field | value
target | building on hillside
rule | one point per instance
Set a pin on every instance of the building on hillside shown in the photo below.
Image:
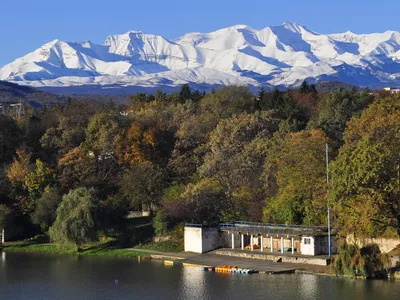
(392, 90)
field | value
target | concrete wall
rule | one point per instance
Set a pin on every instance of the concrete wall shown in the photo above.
(319, 245)
(384, 244)
(322, 261)
(212, 239)
(322, 246)
(201, 240)
(193, 239)
(226, 240)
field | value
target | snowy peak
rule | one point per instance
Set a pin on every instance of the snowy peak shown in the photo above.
(294, 27)
(281, 55)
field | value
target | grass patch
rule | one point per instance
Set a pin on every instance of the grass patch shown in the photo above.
(99, 249)
(167, 246)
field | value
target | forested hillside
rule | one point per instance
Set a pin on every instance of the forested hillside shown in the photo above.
(203, 158)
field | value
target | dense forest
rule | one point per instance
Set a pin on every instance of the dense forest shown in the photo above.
(75, 170)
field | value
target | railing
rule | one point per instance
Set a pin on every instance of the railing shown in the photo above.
(193, 225)
(266, 228)
(271, 229)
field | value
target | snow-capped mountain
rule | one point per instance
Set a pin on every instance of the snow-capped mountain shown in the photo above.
(279, 55)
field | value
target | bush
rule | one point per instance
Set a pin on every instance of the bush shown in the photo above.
(160, 223)
(367, 262)
(5, 216)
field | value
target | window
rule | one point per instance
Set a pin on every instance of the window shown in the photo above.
(307, 241)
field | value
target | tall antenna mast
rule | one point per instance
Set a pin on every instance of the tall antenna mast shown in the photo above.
(327, 197)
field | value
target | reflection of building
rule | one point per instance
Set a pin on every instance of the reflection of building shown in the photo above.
(193, 284)
(263, 237)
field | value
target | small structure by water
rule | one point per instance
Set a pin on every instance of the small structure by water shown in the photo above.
(260, 237)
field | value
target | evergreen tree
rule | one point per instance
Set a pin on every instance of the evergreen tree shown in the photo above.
(304, 87)
(185, 93)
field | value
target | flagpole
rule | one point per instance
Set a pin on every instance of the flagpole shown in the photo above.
(327, 197)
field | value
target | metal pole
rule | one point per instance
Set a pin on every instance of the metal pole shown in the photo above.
(327, 197)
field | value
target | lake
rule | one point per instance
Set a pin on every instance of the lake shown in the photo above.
(35, 276)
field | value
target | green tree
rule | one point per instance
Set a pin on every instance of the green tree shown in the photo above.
(5, 216)
(10, 137)
(101, 134)
(204, 202)
(365, 177)
(226, 102)
(185, 93)
(196, 96)
(46, 208)
(160, 96)
(243, 140)
(75, 222)
(336, 109)
(143, 185)
(295, 178)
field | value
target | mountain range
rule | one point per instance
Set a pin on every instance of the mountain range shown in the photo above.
(280, 56)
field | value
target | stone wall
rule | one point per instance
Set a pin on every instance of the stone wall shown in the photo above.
(312, 260)
(385, 245)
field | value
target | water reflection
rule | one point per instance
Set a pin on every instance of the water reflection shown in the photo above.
(192, 286)
(34, 277)
(308, 286)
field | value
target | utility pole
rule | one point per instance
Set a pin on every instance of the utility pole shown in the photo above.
(327, 197)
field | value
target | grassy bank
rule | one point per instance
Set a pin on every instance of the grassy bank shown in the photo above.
(99, 249)
(167, 246)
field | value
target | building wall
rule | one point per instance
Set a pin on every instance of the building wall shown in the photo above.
(201, 240)
(322, 246)
(193, 239)
(287, 243)
(211, 239)
(226, 240)
(307, 249)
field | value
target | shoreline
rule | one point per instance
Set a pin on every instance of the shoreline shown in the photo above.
(91, 250)
(170, 258)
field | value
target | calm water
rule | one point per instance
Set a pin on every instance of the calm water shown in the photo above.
(28, 276)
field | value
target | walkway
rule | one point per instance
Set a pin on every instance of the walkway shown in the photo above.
(212, 259)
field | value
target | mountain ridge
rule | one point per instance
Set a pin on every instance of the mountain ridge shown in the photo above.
(282, 56)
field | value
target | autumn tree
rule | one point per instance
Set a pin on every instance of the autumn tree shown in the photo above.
(143, 185)
(17, 171)
(365, 177)
(148, 141)
(243, 140)
(203, 202)
(77, 168)
(295, 178)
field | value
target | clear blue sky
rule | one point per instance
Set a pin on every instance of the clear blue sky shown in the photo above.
(25, 25)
